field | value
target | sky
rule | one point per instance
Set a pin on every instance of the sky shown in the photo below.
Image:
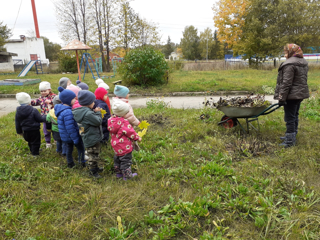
(171, 16)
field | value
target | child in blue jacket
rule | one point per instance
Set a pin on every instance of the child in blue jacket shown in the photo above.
(68, 128)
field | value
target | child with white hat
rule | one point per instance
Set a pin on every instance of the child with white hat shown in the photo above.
(122, 137)
(28, 121)
(45, 103)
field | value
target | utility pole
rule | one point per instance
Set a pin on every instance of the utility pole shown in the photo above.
(35, 18)
(207, 47)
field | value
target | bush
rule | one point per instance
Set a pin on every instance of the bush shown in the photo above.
(67, 63)
(144, 66)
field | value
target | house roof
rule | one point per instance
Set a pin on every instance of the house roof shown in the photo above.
(14, 40)
(8, 54)
(76, 45)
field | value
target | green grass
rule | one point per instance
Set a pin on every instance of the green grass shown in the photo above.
(196, 181)
(181, 81)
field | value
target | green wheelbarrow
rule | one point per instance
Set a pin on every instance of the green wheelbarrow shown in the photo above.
(250, 114)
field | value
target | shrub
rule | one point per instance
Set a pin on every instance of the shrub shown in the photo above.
(144, 66)
(67, 63)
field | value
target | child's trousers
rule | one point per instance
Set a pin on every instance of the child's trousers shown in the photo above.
(61, 148)
(80, 149)
(93, 155)
(34, 140)
(47, 134)
(122, 162)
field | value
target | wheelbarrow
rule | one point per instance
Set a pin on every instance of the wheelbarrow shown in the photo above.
(250, 114)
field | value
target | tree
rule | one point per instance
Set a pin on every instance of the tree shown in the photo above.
(266, 26)
(206, 42)
(73, 19)
(217, 48)
(52, 49)
(190, 43)
(144, 66)
(5, 34)
(168, 48)
(146, 33)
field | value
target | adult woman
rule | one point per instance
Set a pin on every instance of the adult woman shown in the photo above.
(291, 89)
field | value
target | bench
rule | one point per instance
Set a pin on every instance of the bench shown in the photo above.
(117, 82)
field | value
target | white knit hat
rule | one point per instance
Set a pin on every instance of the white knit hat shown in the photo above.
(23, 98)
(119, 107)
(104, 85)
(98, 81)
(44, 86)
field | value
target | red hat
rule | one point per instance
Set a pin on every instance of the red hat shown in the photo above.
(100, 92)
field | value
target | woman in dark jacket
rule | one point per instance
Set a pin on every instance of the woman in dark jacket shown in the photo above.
(291, 89)
(101, 95)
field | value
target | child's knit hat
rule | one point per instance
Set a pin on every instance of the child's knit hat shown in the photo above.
(100, 93)
(86, 97)
(121, 91)
(44, 86)
(74, 89)
(63, 82)
(23, 98)
(66, 96)
(104, 85)
(82, 85)
(56, 100)
(119, 107)
(98, 81)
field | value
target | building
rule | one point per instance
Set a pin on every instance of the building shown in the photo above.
(6, 62)
(27, 49)
(174, 56)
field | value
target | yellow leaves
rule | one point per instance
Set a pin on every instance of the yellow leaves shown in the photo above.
(120, 227)
(143, 125)
(142, 133)
(103, 112)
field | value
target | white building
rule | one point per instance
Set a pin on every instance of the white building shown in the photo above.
(6, 63)
(174, 56)
(27, 49)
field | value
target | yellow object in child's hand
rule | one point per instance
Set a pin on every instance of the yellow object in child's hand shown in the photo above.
(103, 112)
(142, 133)
(144, 124)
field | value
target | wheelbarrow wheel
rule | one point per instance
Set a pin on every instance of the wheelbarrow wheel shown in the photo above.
(232, 122)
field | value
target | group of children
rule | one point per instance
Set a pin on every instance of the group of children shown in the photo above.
(74, 118)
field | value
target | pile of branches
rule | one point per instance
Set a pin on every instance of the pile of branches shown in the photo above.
(247, 101)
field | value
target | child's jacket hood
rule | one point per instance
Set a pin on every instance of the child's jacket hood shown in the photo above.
(59, 108)
(24, 111)
(53, 115)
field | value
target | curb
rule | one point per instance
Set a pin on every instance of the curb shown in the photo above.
(174, 94)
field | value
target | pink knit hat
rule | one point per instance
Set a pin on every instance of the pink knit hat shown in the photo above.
(74, 89)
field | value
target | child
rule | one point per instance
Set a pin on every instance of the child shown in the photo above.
(68, 128)
(92, 134)
(51, 118)
(102, 84)
(82, 85)
(122, 93)
(101, 96)
(76, 90)
(64, 82)
(122, 136)
(45, 102)
(28, 121)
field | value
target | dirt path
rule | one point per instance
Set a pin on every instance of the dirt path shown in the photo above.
(8, 105)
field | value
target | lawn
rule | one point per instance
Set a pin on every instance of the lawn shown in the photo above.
(180, 81)
(196, 180)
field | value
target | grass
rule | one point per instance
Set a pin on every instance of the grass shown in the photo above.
(196, 181)
(181, 81)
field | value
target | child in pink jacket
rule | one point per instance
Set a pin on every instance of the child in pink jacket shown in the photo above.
(122, 137)
(122, 93)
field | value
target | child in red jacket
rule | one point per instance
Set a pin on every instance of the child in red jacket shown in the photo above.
(122, 137)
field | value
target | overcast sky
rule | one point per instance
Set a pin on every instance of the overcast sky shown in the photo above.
(171, 16)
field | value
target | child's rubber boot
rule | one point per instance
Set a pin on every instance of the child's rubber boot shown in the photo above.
(127, 174)
(290, 140)
(48, 145)
(71, 165)
(94, 173)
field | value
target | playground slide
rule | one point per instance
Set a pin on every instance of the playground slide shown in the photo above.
(27, 68)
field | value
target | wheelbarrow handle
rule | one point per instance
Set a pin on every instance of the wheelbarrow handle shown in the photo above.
(270, 109)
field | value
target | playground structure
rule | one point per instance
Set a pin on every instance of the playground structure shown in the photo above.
(35, 61)
(115, 61)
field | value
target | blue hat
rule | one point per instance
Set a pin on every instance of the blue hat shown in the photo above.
(82, 85)
(121, 91)
(66, 95)
(86, 97)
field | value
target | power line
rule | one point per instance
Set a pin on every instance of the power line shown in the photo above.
(17, 16)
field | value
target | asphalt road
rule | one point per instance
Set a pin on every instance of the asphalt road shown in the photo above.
(8, 105)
